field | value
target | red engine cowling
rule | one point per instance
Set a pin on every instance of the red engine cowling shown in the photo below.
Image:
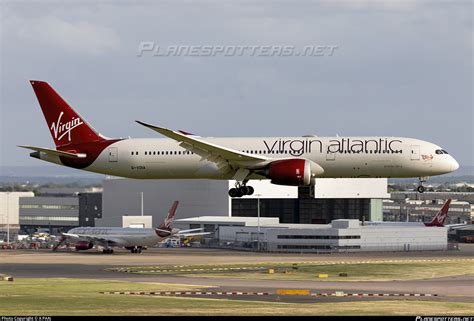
(293, 172)
(83, 245)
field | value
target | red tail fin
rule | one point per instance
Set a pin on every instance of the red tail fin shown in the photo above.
(441, 216)
(66, 126)
(165, 228)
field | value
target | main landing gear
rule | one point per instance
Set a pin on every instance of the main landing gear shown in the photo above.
(421, 188)
(240, 190)
(136, 250)
(108, 250)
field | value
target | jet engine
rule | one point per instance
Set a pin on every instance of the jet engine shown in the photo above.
(292, 172)
(84, 245)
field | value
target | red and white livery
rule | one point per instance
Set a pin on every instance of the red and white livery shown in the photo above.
(295, 161)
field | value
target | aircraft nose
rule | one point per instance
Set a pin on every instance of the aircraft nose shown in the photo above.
(454, 164)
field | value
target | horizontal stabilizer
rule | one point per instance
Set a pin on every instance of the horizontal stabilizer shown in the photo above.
(55, 152)
(191, 230)
(193, 234)
(70, 235)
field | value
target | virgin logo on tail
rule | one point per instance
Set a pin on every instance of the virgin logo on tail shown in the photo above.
(63, 129)
(440, 217)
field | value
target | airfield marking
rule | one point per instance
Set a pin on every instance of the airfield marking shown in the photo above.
(222, 293)
(213, 268)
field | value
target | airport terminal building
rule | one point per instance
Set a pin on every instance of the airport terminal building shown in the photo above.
(342, 235)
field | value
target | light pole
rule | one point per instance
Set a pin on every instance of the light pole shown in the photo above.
(258, 221)
(8, 218)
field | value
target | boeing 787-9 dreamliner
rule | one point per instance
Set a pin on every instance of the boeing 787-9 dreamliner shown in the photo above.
(295, 161)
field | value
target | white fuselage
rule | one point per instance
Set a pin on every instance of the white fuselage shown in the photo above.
(118, 236)
(340, 157)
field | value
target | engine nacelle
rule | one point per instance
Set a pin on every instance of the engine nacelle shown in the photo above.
(84, 245)
(293, 172)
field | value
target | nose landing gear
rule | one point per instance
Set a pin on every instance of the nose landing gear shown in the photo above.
(421, 188)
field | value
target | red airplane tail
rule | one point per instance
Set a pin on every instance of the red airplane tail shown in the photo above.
(66, 125)
(165, 228)
(441, 216)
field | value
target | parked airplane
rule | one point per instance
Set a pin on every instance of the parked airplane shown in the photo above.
(133, 239)
(437, 221)
(295, 161)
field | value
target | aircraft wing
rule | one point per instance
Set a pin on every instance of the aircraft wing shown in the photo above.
(92, 238)
(54, 152)
(459, 226)
(220, 155)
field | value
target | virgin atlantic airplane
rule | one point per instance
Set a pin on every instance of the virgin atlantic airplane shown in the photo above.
(294, 161)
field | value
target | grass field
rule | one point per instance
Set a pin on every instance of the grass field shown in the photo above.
(355, 272)
(82, 297)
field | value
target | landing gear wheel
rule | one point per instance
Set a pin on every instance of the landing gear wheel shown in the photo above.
(250, 190)
(233, 192)
(241, 190)
(244, 190)
(139, 251)
(107, 251)
(420, 187)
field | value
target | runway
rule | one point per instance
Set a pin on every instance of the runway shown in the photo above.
(92, 265)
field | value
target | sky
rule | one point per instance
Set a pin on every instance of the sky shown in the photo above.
(398, 68)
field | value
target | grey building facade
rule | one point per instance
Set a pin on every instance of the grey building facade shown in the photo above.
(122, 197)
(58, 214)
(330, 199)
(90, 208)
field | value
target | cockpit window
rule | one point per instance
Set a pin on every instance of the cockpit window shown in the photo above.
(441, 151)
(445, 152)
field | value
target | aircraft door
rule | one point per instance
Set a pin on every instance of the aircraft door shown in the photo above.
(113, 154)
(415, 152)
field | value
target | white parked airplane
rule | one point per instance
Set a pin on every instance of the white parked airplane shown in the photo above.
(295, 161)
(437, 221)
(133, 239)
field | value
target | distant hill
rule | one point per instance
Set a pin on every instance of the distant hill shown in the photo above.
(45, 171)
(48, 175)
